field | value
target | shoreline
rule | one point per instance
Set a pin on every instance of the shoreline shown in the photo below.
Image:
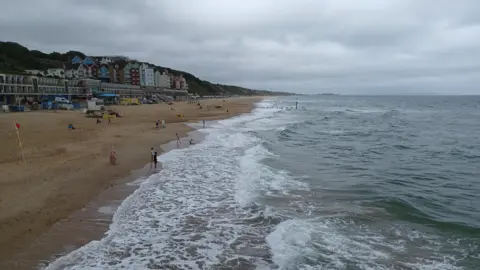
(92, 221)
(29, 249)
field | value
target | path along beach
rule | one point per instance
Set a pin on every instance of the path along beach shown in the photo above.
(67, 169)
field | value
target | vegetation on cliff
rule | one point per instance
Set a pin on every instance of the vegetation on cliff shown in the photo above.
(15, 58)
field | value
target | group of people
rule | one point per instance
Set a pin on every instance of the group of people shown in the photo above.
(153, 153)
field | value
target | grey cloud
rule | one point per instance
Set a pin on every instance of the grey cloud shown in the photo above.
(348, 46)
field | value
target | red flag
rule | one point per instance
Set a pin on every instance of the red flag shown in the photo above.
(17, 125)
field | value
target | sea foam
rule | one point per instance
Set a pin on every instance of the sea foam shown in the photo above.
(196, 212)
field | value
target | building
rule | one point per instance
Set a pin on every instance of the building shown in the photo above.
(71, 71)
(16, 87)
(147, 75)
(132, 73)
(74, 71)
(150, 77)
(104, 73)
(81, 68)
(103, 60)
(91, 86)
(56, 72)
(179, 83)
(74, 87)
(77, 60)
(13, 86)
(121, 90)
(162, 80)
(184, 84)
(172, 80)
(35, 72)
(117, 71)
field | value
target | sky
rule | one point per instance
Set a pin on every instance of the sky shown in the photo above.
(302, 46)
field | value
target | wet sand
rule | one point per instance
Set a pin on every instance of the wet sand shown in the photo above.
(66, 170)
(92, 221)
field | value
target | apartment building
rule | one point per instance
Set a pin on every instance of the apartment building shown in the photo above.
(56, 72)
(179, 83)
(117, 71)
(162, 79)
(104, 73)
(132, 73)
(147, 75)
(13, 86)
(122, 90)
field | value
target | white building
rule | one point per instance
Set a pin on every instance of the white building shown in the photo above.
(105, 60)
(71, 73)
(162, 79)
(19, 85)
(34, 72)
(54, 72)
(147, 75)
(58, 72)
(82, 71)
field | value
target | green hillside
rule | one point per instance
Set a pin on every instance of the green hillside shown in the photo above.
(15, 58)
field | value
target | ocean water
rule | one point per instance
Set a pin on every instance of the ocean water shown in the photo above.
(340, 183)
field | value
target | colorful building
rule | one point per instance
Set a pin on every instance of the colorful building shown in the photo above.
(179, 83)
(81, 68)
(117, 71)
(132, 73)
(104, 73)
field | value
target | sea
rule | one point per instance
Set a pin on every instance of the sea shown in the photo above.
(340, 182)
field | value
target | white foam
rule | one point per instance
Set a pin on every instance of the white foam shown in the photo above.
(258, 178)
(108, 209)
(183, 216)
(289, 242)
(204, 210)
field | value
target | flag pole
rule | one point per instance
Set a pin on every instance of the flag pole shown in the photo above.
(20, 142)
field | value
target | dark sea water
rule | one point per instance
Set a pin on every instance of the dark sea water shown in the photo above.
(341, 183)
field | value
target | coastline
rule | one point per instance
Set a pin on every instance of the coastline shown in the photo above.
(82, 185)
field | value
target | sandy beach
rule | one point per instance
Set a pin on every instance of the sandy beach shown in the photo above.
(66, 169)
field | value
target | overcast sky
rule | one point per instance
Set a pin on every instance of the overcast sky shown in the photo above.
(305, 46)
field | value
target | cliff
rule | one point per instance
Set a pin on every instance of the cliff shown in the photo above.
(15, 58)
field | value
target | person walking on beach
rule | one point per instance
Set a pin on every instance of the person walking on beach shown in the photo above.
(157, 123)
(155, 161)
(178, 140)
(113, 156)
(152, 154)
